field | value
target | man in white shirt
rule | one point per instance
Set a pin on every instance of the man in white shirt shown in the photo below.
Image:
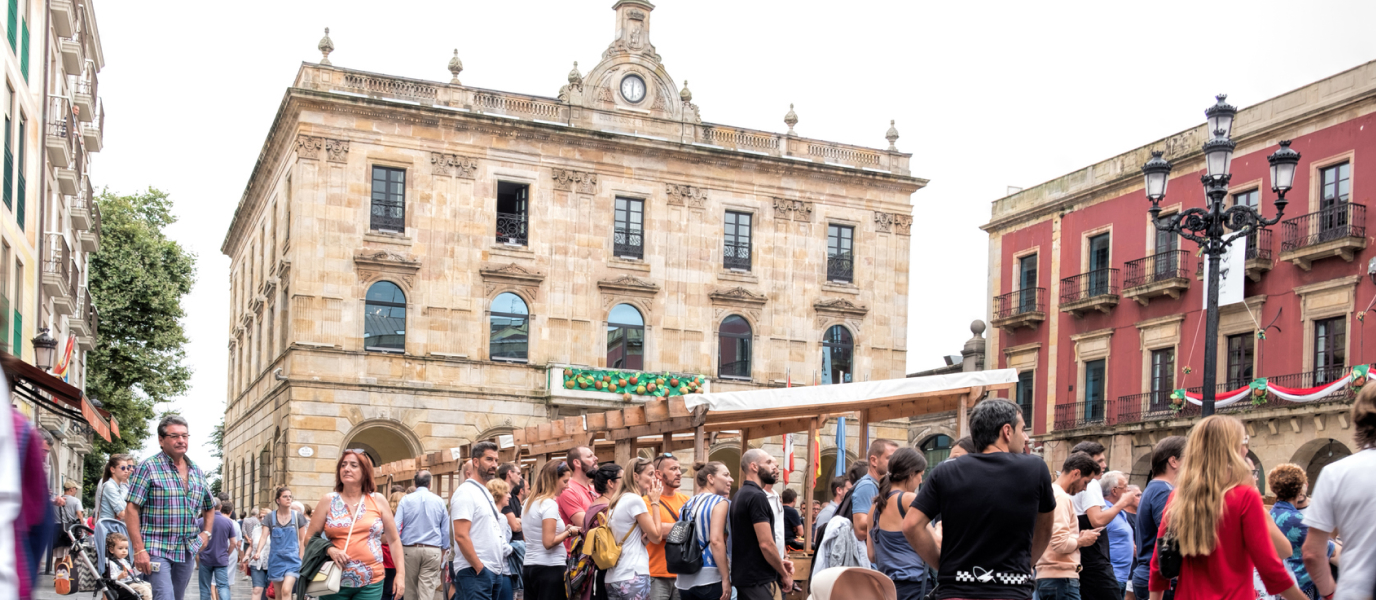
(424, 537)
(1342, 501)
(776, 504)
(479, 565)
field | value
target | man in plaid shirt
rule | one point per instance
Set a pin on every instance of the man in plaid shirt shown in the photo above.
(166, 495)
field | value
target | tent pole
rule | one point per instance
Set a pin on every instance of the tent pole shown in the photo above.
(700, 444)
(809, 486)
(864, 438)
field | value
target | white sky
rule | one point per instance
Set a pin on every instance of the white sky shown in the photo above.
(986, 95)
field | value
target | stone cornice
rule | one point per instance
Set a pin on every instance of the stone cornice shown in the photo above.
(737, 296)
(840, 307)
(386, 260)
(511, 273)
(627, 284)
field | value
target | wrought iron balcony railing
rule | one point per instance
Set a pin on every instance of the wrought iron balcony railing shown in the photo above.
(1023, 301)
(1099, 282)
(736, 256)
(1078, 414)
(628, 243)
(1343, 220)
(841, 267)
(511, 229)
(1157, 267)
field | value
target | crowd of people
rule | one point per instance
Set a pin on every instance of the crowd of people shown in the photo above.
(990, 522)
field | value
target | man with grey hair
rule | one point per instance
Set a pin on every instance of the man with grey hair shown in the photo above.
(167, 494)
(756, 562)
(1120, 532)
(424, 524)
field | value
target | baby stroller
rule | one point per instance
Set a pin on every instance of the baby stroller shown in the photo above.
(88, 561)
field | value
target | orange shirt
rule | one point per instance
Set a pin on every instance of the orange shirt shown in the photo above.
(658, 568)
(361, 531)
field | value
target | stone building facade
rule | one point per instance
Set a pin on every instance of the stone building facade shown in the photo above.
(414, 262)
(1103, 316)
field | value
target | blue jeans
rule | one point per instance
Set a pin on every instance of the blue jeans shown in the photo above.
(471, 585)
(1058, 589)
(169, 579)
(220, 577)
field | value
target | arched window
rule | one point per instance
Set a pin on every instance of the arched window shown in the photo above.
(384, 318)
(625, 338)
(936, 449)
(733, 350)
(509, 327)
(837, 363)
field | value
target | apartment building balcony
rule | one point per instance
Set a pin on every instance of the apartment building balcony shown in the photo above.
(59, 275)
(68, 180)
(1156, 406)
(1023, 308)
(76, 324)
(93, 133)
(91, 318)
(1094, 290)
(70, 48)
(1161, 274)
(1077, 415)
(79, 210)
(1336, 231)
(60, 134)
(90, 238)
(84, 96)
(63, 17)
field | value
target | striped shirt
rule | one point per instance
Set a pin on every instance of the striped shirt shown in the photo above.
(167, 508)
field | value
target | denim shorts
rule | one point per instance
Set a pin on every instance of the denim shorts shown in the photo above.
(259, 576)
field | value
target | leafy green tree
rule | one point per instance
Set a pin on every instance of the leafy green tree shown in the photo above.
(137, 282)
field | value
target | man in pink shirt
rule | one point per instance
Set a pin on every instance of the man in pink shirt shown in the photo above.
(578, 497)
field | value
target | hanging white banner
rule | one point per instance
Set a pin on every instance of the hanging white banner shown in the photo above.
(1232, 273)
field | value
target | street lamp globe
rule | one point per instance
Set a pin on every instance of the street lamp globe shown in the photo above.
(1157, 172)
(1218, 155)
(1283, 162)
(1220, 117)
(43, 347)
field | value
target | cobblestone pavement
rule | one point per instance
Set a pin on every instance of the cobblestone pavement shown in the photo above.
(240, 590)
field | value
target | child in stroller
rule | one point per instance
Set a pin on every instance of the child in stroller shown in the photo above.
(118, 568)
(89, 552)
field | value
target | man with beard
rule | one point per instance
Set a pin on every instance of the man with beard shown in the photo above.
(862, 498)
(579, 496)
(480, 563)
(668, 471)
(756, 563)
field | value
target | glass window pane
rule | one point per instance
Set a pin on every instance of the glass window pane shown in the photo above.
(386, 291)
(625, 314)
(509, 303)
(509, 337)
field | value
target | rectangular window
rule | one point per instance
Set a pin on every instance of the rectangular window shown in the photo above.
(1094, 391)
(1241, 349)
(1027, 284)
(1025, 395)
(21, 193)
(17, 301)
(9, 135)
(1334, 188)
(1249, 198)
(840, 253)
(1162, 377)
(1330, 349)
(736, 252)
(1098, 265)
(389, 200)
(628, 239)
(513, 213)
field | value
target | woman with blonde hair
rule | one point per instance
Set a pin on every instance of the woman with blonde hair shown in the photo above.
(546, 557)
(630, 578)
(1218, 522)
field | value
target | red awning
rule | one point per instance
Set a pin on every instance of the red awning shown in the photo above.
(61, 392)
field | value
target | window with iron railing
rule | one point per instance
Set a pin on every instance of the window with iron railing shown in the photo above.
(1241, 350)
(1025, 396)
(1330, 349)
(736, 249)
(628, 237)
(513, 213)
(841, 253)
(1162, 376)
(389, 200)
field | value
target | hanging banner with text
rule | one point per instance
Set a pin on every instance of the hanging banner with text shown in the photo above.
(1232, 273)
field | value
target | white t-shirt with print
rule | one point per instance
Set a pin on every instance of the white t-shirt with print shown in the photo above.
(1343, 501)
(634, 559)
(533, 526)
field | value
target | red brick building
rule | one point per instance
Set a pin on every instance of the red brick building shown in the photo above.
(1104, 317)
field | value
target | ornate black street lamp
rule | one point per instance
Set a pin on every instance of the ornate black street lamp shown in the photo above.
(43, 347)
(1214, 228)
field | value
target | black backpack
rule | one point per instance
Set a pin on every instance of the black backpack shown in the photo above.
(682, 550)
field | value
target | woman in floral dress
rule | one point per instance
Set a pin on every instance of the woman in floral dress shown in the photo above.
(358, 520)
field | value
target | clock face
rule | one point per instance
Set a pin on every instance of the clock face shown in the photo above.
(633, 88)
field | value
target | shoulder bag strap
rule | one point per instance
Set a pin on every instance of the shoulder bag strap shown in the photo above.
(666, 507)
(490, 505)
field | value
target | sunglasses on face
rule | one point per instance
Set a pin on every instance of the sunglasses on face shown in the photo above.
(126, 468)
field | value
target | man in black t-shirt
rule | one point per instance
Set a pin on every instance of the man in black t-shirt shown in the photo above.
(996, 509)
(793, 520)
(756, 563)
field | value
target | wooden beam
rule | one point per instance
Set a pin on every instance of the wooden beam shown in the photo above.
(809, 485)
(556, 429)
(597, 422)
(678, 407)
(667, 445)
(700, 445)
(615, 420)
(573, 425)
(624, 450)
(632, 416)
(864, 434)
(681, 424)
(937, 400)
(657, 410)
(519, 436)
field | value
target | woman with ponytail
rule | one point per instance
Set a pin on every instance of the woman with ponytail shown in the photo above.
(114, 487)
(888, 547)
(1218, 522)
(708, 510)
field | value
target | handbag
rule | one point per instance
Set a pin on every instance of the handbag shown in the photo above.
(682, 550)
(1168, 557)
(327, 579)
